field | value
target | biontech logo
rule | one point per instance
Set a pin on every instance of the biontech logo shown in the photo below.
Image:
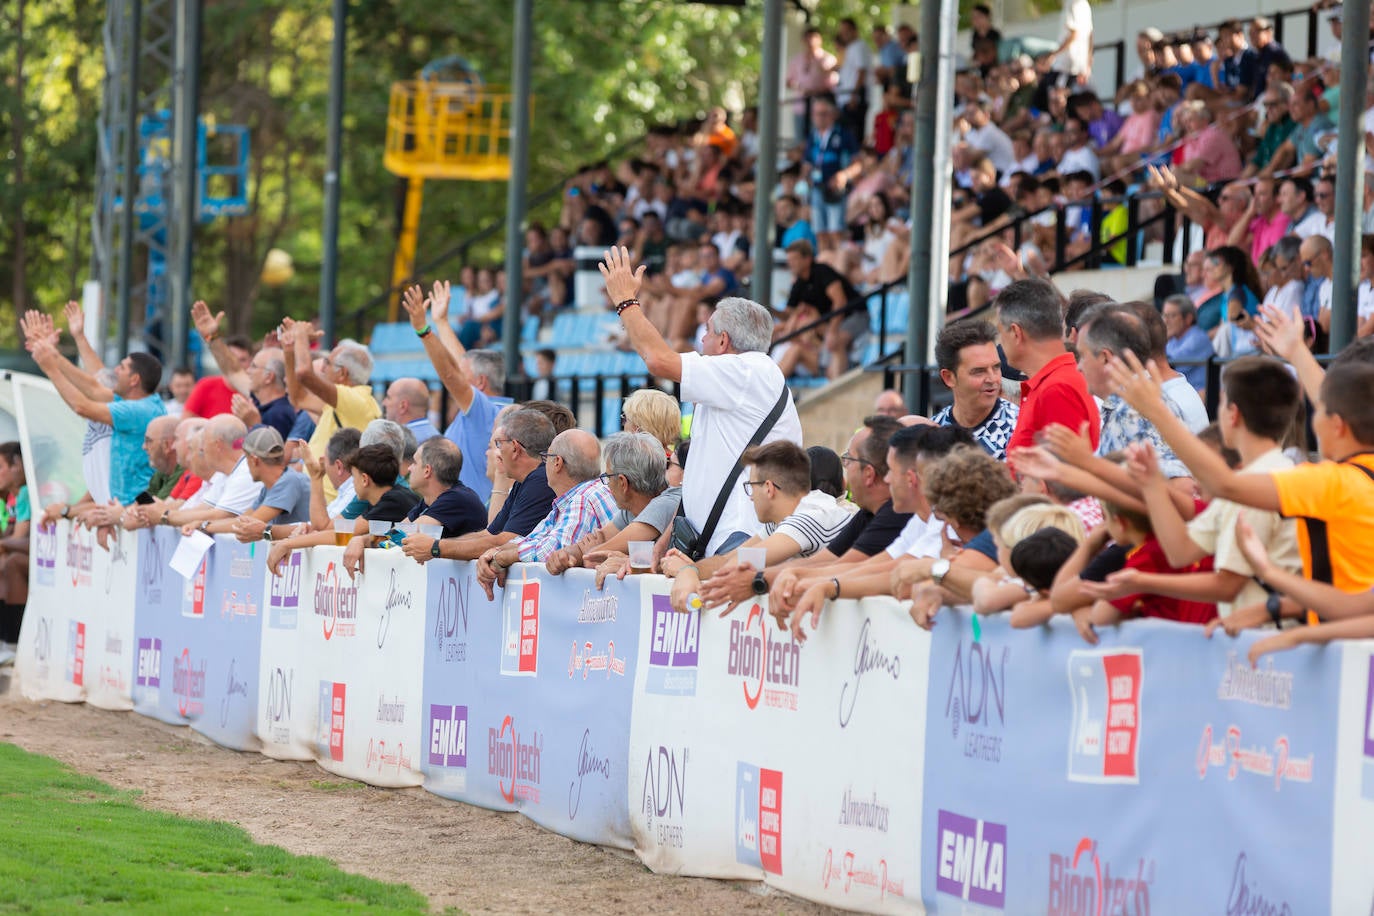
(336, 603)
(769, 667)
(513, 759)
(971, 859)
(1084, 885)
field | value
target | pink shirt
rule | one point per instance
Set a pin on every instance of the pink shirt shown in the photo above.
(1215, 153)
(1138, 133)
(1265, 232)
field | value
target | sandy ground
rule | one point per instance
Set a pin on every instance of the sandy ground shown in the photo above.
(479, 861)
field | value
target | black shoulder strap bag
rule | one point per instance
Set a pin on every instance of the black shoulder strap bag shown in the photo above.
(685, 537)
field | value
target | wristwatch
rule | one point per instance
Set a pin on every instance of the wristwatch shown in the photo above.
(434, 551)
(760, 584)
(203, 525)
(267, 533)
(1274, 605)
(66, 511)
(938, 570)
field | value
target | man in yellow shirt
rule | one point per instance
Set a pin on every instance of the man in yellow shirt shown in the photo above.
(343, 386)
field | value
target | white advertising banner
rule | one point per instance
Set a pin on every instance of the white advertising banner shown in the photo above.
(288, 707)
(365, 639)
(110, 643)
(50, 661)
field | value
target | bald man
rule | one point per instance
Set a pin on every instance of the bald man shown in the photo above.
(889, 403)
(232, 490)
(158, 440)
(407, 402)
(582, 503)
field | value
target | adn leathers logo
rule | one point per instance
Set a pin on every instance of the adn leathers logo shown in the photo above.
(451, 620)
(673, 649)
(971, 861)
(1104, 738)
(1083, 885)
(769, 667)
(758, 817)
(975, 703)
(664, 800)
(520, 639)
(277, 709)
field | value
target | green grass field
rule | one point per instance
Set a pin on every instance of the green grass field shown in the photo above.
(69, 843)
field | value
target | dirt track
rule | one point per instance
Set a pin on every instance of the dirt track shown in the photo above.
(479, 861)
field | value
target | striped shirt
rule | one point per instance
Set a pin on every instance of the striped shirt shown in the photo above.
(815, 522)
(575, 514)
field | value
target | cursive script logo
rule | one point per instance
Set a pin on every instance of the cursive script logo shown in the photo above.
(1276, 763)
(233, 687)
(587, 762)
(395, 597)
(867, 657)
(118, 557)
(859, 875)
(1246, 900)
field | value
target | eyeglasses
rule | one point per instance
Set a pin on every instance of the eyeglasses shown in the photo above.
(499, 443)
(545, 456)
(1307, 263)
(607, 477)
(750, 484)
(846, 458)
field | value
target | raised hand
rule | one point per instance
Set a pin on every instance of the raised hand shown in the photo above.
(76, 318)
(1073, 448)
(623, 279)
(1037, 462)
(313, 466)
(1278, 333)
(414, 301)
(1142, 463)
(245, 410)
(439, 298)
(1138, 384)
(207, 325)
(38, 328)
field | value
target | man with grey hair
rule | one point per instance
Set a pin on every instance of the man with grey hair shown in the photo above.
(231, 490)
(1187, 343)
(522, 442)
(444, 499)
(1030, 325)
(407, 402)
(343, 387)
(263, 381)
(636, 474)
(735, 386)
(475, 380)
(582, 504)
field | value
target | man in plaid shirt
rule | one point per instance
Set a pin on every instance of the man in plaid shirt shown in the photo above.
(582, 504)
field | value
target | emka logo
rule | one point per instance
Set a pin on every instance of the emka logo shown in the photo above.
(513, 759)
(868, 656)
(769, 668)
(847, 873)
(758, 817)
(665, 793)
(674, 643)
(1104, 737)
(188, 684)
(971, 859)
(284, 595)
(520, 644)
(233, 688)
(396, 597)
(45, 554)
(336, 603)
(79, 555)
(976, 700)
(280, 683)
(149, 663)
(76, 653)
(586, 659)
(193, 593)
(1230, 752)
(588, 764)
(332, 710)
(1083, 885)
(1247, 897)
(451, 620)
(448, 741)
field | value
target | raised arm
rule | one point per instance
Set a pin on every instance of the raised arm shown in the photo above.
(209, 328)
(623, 280)
(446, 357)
(76, 326)
(302, 333)
(52, 363)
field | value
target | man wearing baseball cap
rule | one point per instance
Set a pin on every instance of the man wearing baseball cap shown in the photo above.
(285, 496)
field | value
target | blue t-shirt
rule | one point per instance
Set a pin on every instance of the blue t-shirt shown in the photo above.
(471, 431)
(303, 427)
(279, 415)
(458, 509)
(801, 229)
(423, 429)
(130, 470)
(529, 501)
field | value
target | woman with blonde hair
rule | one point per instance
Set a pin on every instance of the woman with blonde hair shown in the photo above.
(655, 412)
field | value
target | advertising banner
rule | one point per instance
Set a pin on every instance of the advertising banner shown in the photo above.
(540, 684)
(1352, 879)
(50, 660)
(1161, 763)
(173, 654)
(365, 639)
(233, 608)
(288, 705)
(110, 646)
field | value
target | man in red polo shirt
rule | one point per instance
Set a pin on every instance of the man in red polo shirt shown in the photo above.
(1030, 323)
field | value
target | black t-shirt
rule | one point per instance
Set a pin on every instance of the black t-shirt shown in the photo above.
(459, 510)
(812, 290)
(529, 501)
(279, 415)
(1111, 560)
(392, 506)
(870, 533)
(992, 203)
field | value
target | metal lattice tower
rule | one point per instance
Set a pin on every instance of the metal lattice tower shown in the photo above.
(140, 43)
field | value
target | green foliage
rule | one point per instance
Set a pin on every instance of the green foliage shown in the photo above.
(604, 72)
(72, 842)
